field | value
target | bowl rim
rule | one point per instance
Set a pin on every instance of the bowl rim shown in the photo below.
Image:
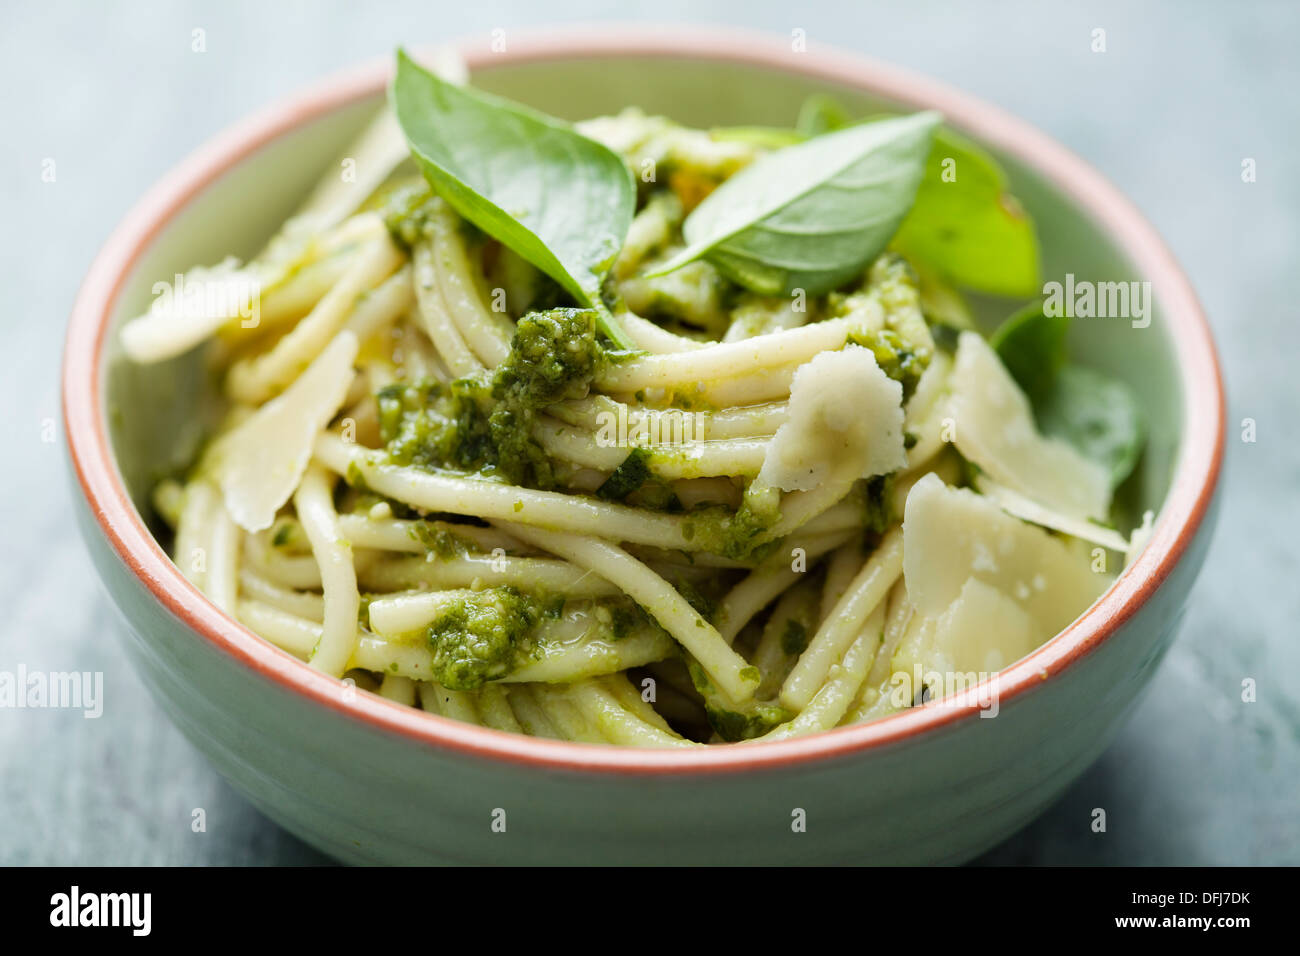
(1195, 476)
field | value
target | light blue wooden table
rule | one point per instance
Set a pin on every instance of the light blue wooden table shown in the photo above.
(114, 95)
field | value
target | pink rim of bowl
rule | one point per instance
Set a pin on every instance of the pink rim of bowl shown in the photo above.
(1195, 475)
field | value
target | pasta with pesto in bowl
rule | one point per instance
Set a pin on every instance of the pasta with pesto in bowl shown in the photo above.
(626, 432)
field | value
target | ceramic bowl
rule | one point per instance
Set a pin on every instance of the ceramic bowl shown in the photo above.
(366, 780)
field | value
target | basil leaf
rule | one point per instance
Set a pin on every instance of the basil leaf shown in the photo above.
(556, 198)
(1031, 345)
(811, 216)
(1097, 415)
(631, 474)
(966, 227)
(970, 230)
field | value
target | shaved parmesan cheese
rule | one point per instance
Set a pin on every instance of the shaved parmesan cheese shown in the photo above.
(982, 631)
(843, 408)
(927, 410)
(995, 430)
(931, 387)
(259, 464)
(1014, 503)
(1138, 541)
(951, 535)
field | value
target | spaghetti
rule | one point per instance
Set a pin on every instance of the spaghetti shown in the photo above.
(438, 478)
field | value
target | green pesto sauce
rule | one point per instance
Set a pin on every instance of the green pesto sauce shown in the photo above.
(903, 348)
(895, 356)
(283, 535)
(705, 602)
(486, 635)
(551, 607)
(738, 535)
(732, 721)
(484, 424)
(656, 495)
(624, 617)
(719, 530)
(794, 641)
(439, 541)
(406, 212)
(945, 336)
(634, 483)
(878, 503)
(481, 638)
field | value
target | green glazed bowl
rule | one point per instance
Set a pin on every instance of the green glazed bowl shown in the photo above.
(369, 781)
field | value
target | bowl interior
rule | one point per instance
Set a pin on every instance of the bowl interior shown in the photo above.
(157, 414)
